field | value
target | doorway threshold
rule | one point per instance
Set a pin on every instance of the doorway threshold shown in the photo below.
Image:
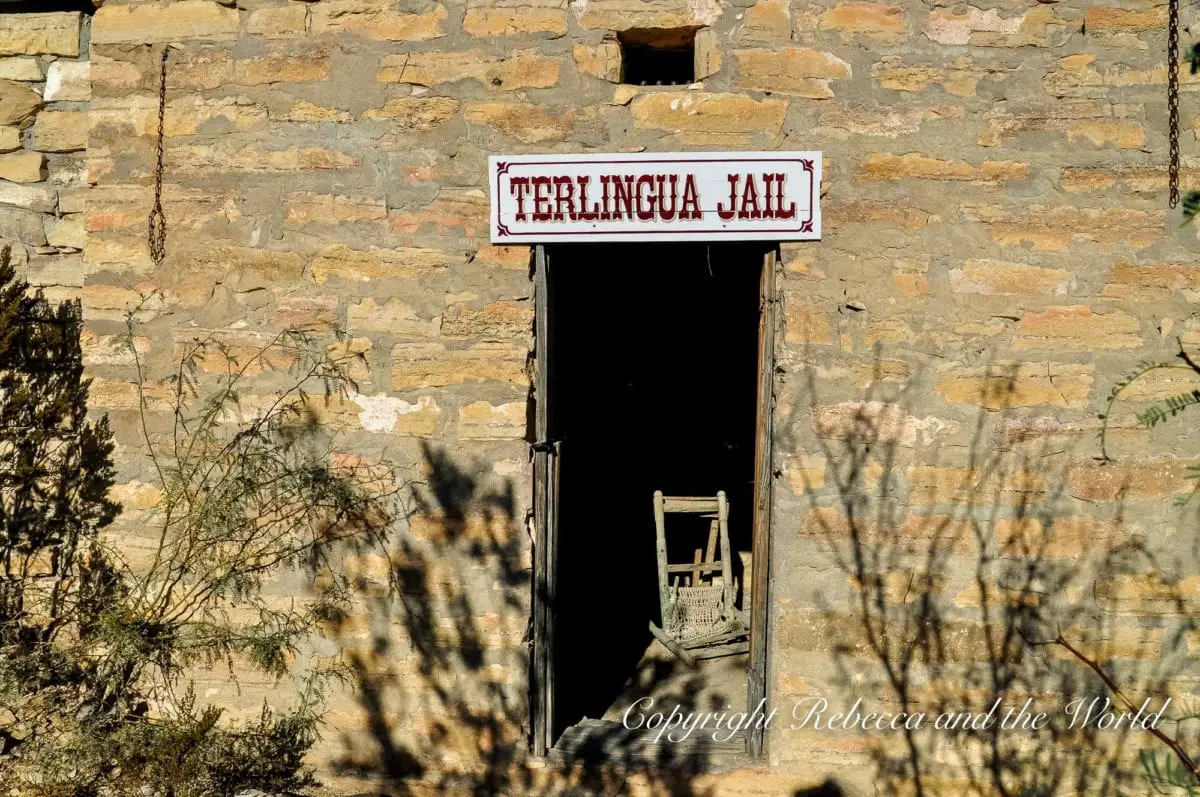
(714, 685)
(609, 742)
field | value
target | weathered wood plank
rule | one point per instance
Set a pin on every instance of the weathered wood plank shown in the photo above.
(542, 689)
(763, 480)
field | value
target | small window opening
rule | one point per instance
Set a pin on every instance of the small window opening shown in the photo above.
(658, 56)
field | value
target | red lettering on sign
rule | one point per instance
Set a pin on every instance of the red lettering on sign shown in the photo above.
(731, 211)
(646, 201)
(519, 188)
(665, 213)
(623, 193)
(780, 213)
(584, 213)
(541, 198)
(564, 196)
(691, 199)
(749, 209)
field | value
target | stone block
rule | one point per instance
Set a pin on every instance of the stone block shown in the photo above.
(878, 21)
(1037, 26)
(959, 77)
(938, 484)
(364, 265)
(422, 365)
(24, 226)
(481, 420)
(280, 69)
(805, 473)
(709, 118)
(69, 81)
(417, 114)
(706, 57)
(802, 71)
(837, 214)
(305, 112)
(10, 138)
(999, 278)
(1077, 327)
(384, 413)
(495, 321)
(318, 313)
(488, 18)
(805, 321)
(510, 258)
(181, 20)
(1056, 228)
(1149, 283)
(1009, 385)
(517, 69)
(1130, 480)
(1110, 19)
(278, 22)
(1098, 130)
(601, 60)
(60, 131)
(20, 68)
(1082, 75)
(391, 317)
(36, 198)
(18, 102)
(1064, 536)
(304, 207)
(527, 123)
(914, 166)
(377, 20)
(253, 158)
(766, 22)
(53, 33)
(622, 15)
(136, 495)
(66, 232)
(869, 422)
(23, 167)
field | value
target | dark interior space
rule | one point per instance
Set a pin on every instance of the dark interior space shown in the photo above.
(658, 56)
(653, 372)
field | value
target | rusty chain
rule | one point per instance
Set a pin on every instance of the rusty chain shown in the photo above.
(157, 229)
(1173, 100)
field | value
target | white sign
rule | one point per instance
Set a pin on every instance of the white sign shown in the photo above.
(659, 196)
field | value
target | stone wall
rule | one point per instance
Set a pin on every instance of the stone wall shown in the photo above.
(997, 254)
(44, 93)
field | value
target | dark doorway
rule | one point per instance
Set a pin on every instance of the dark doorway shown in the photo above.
(653, 376)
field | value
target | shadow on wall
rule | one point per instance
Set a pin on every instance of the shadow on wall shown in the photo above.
(960, 567)
(441, 683)
(964, 566)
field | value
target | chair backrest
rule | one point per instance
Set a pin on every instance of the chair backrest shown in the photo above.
(718, 508)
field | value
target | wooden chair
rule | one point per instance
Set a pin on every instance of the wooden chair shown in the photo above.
(698, 615)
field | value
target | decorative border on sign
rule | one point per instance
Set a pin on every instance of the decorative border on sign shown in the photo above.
(806, 226)
(501, 169)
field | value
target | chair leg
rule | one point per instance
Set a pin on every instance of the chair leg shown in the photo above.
(660, 541)
(672, 646)
(726, 566)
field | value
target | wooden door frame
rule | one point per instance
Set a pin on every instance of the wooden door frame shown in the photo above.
(764, 478)
(545, 500)
(541, 687)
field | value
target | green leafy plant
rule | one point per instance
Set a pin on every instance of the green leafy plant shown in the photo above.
(96, 652)
(1191, 204)
(1170, 771)
(1160, 411)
